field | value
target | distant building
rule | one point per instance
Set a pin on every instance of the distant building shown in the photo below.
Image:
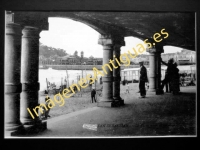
(72, 60)
(183, 57)
(136, 60)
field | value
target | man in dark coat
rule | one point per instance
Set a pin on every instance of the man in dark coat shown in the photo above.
(143, 78)
(93, 94)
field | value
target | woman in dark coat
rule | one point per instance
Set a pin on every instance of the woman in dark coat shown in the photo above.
(175, 81)
(168, 73)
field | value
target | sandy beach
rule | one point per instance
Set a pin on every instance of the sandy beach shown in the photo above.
(80, 100)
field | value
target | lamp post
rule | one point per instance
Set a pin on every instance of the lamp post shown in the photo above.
(85, 67)
(81, 68)
(77, 78)
(125, 77)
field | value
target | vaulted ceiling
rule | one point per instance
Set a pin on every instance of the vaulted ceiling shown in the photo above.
(143, 25)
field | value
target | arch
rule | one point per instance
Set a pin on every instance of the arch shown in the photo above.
(99, 30)
(140, 38)
(178, 46)
(130, 43)
(103, 28)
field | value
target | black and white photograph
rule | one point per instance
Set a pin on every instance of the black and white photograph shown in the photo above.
(99, 74)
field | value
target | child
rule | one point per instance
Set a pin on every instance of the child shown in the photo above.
(45, 113)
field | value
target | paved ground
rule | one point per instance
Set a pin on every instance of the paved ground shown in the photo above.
(156, 115)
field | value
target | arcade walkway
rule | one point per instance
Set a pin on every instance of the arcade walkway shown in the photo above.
(22, 58)
(156, 115)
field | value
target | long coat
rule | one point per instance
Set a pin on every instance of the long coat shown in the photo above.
(143, 74)
(93, 92)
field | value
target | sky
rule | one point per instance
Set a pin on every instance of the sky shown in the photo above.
(72, 35)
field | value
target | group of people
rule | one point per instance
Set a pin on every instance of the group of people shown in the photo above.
(172, 76)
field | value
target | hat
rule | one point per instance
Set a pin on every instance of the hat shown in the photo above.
(171, 60)
(175, 64)
(141, 61)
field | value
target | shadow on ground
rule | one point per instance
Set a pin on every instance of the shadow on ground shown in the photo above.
(156, 115)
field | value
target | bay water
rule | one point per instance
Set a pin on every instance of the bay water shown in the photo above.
(58, 76)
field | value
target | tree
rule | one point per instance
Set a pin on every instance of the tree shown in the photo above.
(49, 52)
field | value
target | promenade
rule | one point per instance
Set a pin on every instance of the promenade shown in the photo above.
(156, 115)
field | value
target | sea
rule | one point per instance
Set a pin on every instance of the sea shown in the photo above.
(58, 77)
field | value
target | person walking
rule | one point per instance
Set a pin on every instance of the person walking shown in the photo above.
(93, 94)
(142, 80)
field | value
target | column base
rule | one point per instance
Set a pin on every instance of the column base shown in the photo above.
(151, 90)
(28, 129)
(159, 92)
(109, 104)
(38, 127)
(17, 132)
(120, 100)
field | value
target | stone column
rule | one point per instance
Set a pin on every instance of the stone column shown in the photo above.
(107, 95)
(118, 42)
(159, 50)
(29, 77)
(12, 79)
(155, 69)
(152, 70)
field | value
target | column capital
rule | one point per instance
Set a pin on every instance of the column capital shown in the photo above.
(9, 17)
(118, 41)
(105, 40)
(117, 78)
(30, 32)
(155, 49)
(13, 29)
(114, 40)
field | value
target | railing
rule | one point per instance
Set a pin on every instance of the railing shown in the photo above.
(83, 67)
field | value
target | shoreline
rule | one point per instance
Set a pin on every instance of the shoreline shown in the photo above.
(90, 67)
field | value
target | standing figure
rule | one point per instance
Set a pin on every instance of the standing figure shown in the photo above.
(101, 80)
(175, 80)
(168, 73)
(93, 94)
(143, 78)
(182, 80)
(90, 79)
(45, 113)
(127, 87)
